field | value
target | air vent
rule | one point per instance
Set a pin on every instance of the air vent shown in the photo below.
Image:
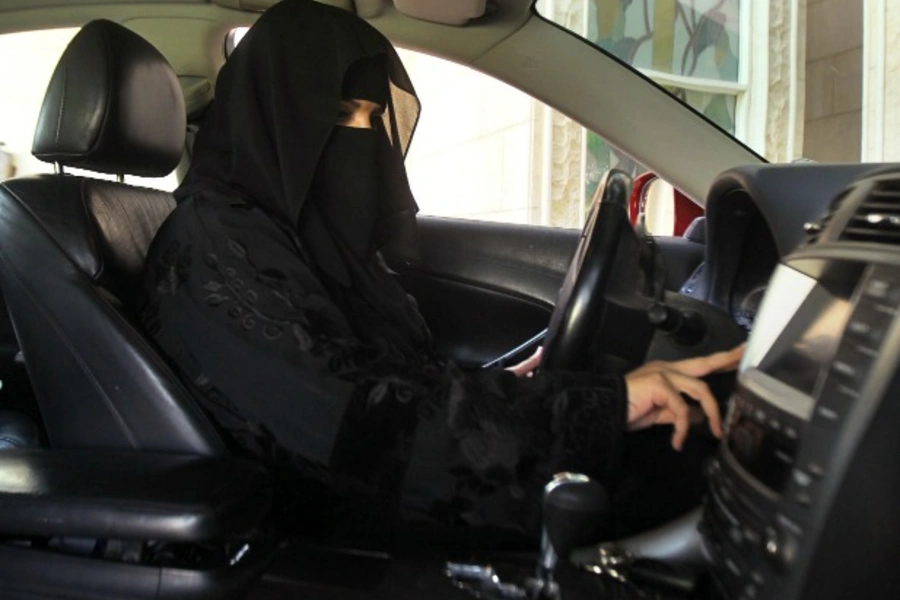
(877, 219)
(814, 229)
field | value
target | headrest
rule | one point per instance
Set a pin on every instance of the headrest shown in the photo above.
(113, 105)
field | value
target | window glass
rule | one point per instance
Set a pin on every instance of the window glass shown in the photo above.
(693, 38)
(485, 150)
(687, 46)
(29, 59)
(793, 79)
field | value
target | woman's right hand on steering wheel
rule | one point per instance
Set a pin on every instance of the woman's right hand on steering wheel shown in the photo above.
(655, 393)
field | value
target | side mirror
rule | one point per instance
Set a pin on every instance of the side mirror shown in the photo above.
(665, 210)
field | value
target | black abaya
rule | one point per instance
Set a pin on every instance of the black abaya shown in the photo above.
(300, 343)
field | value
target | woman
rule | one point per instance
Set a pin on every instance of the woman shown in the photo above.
(268, 290)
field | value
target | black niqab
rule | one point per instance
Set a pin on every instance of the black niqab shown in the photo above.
(278, 98)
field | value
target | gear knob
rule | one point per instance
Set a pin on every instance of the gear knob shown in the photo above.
(574, 508)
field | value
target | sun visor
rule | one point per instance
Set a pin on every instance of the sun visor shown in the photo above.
(457, 12)
(262, 5)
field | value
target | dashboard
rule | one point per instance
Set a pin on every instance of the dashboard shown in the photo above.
(807, 469)
(755, 215)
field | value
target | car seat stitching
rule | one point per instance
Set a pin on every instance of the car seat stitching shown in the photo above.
(62, 103)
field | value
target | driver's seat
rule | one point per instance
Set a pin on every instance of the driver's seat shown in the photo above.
(72, 249)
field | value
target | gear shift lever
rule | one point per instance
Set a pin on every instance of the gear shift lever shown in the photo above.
(574, 507)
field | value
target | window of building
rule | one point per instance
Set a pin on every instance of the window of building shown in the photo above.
(695, 49)
(485, 150)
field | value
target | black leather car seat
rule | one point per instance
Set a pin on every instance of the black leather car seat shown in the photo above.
(72, 249)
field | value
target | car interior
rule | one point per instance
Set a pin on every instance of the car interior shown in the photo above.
(115, 484)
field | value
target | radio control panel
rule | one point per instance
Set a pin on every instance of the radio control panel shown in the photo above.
(801, 406)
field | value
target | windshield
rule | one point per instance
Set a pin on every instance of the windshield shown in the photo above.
(785, 77)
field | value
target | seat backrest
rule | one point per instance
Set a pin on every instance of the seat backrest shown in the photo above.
(72, 249)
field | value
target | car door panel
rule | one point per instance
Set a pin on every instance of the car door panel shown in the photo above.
(485, 288)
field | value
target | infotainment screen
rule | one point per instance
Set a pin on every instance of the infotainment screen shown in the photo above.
(798, 328)
(794, 338)
(809, 341)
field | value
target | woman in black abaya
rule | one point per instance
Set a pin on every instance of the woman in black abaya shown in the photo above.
(267, 288)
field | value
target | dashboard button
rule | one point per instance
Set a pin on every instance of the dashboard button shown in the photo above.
(732, 566)
(802, 478)
(877, 288)
(868, 324)
(803, 498)
(751, 536)
(850, 366)
(883, 284)
(860, 327)
(845, 368)
(816, 470)
(835, 401)
(827, 416)
(773, 542)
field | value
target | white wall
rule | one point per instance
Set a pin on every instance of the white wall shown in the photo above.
(471, 156)
(27, 61)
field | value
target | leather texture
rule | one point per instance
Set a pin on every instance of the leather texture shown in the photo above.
(113, 105)
(69, 291)
(71, 252)
(131, 495)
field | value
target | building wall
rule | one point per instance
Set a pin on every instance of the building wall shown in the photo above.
(20, 102)
(881, 64)
(781, 107)
(834, 58)
(489, 142)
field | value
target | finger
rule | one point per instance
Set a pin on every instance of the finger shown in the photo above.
(670, 399)
(712, 363)
(650, 367)
(534, 360)
(532, 363)
(528, 365)
(699, 391)
(654, 417)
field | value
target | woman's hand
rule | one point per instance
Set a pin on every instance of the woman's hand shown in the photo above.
(527, 366)
(655, 389)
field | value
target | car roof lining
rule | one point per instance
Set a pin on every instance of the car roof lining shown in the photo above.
(510, 44)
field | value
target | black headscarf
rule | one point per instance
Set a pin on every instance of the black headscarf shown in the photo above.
(272, 130)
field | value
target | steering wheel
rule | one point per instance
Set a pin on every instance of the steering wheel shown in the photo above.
(582, 301)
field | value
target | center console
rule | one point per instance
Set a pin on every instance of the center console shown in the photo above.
(801, 503)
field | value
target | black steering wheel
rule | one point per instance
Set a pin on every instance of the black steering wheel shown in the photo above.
(582, 302)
